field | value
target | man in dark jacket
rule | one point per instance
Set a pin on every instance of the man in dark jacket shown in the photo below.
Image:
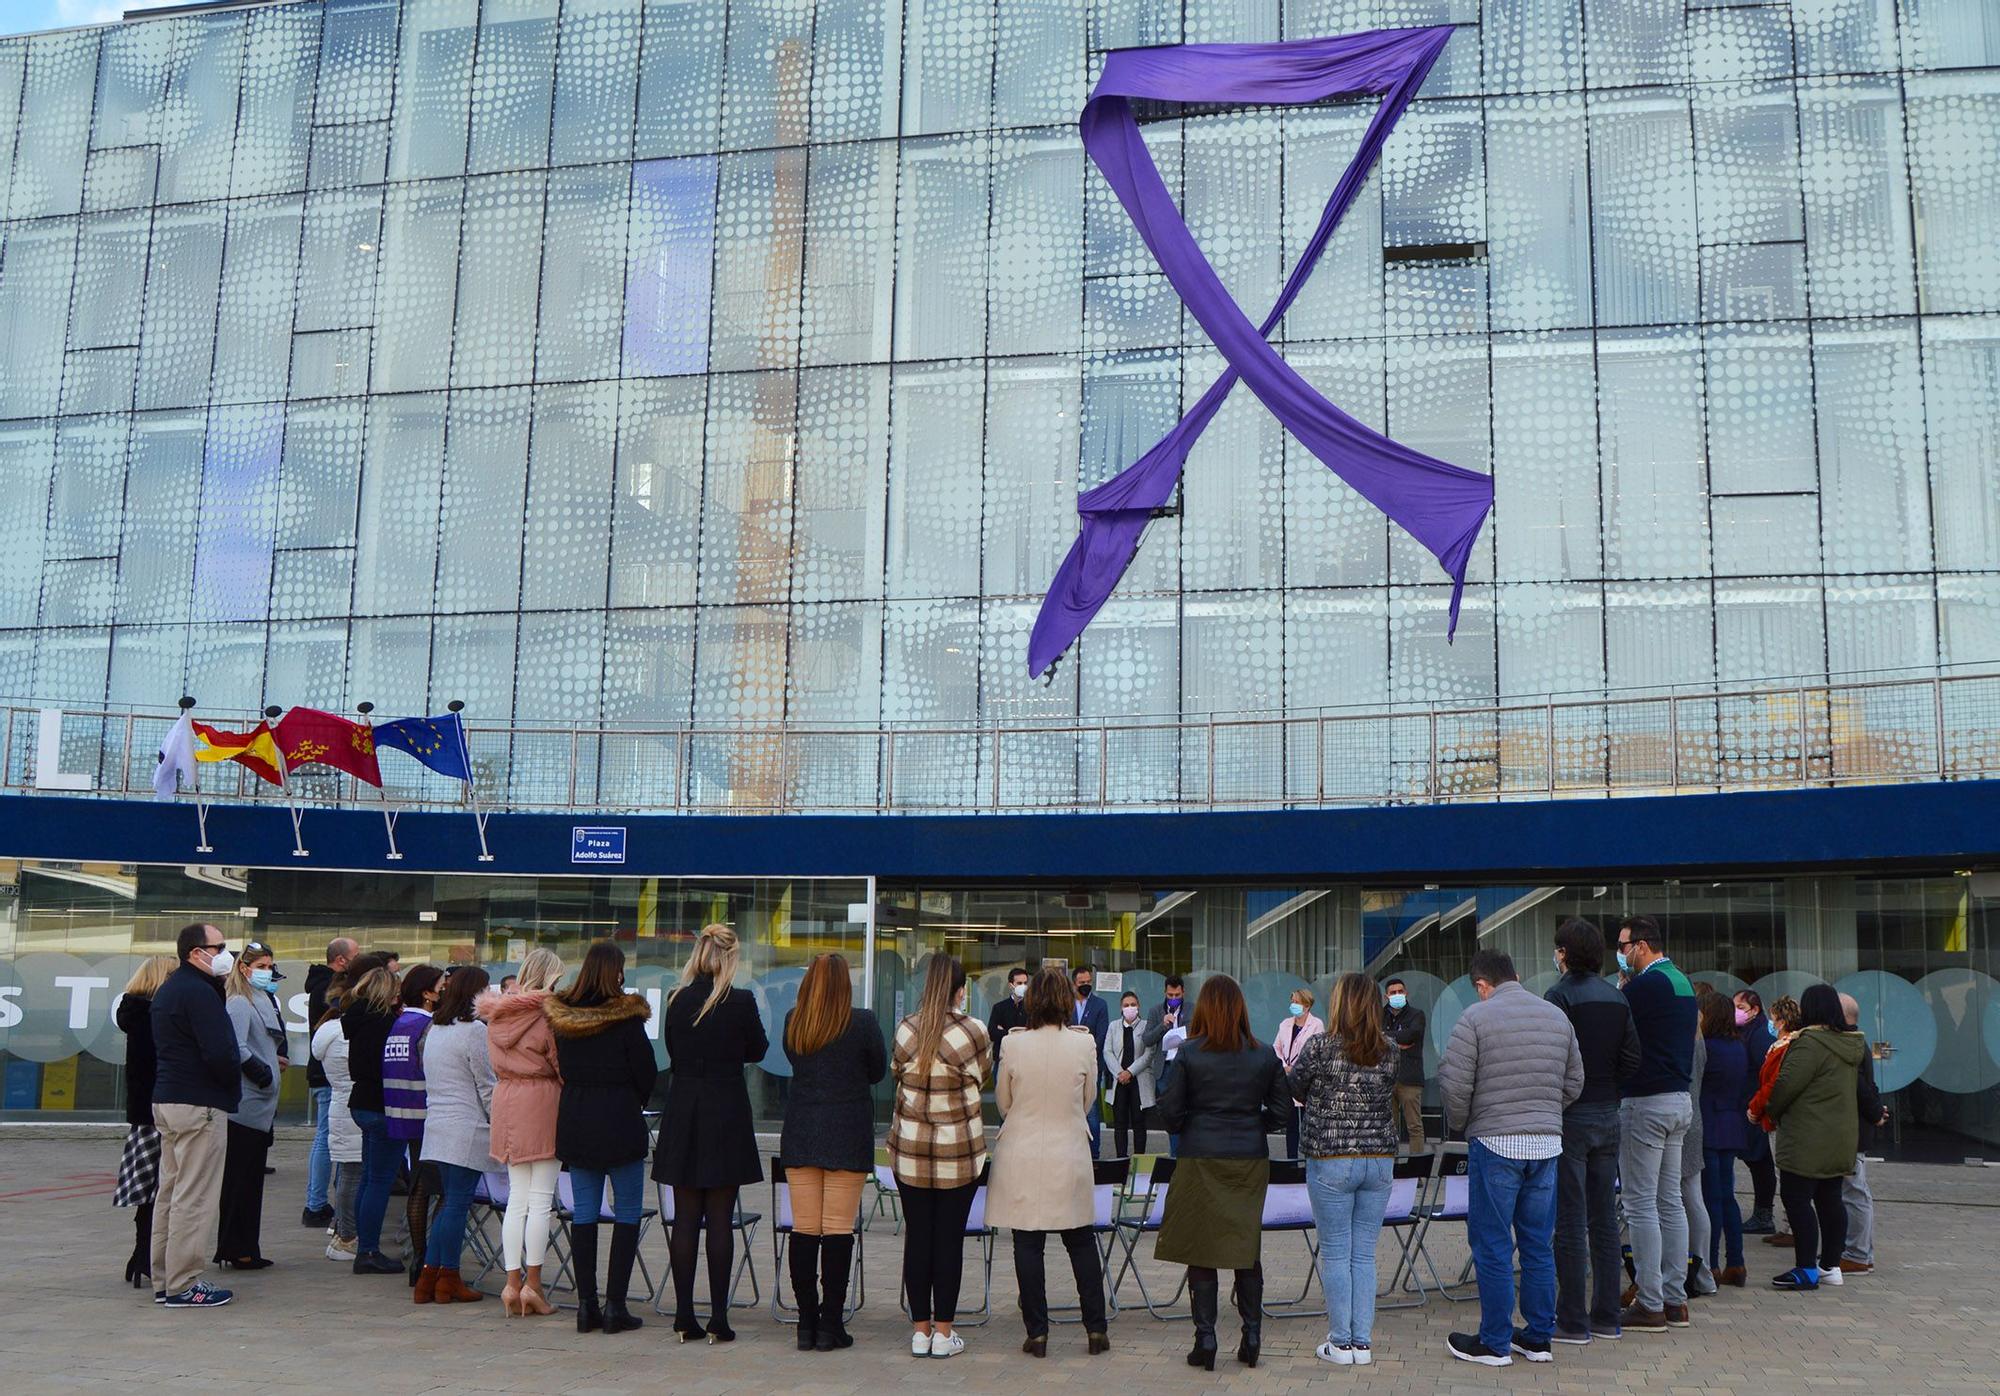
(1858, 1256)
(319, 1170)
(1405, 1026)
(1587, 1173)
(1172, 1015)
(1008, 1014)
(1092, 1013)
(196, 1085)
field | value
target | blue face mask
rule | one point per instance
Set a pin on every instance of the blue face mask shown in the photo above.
(1624, 965)
(1297, 1009)
(1398, 1001)
(261, 978)
(1174, 1003)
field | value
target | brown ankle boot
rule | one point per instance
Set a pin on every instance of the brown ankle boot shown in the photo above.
(426, 1287)
(453, 1290)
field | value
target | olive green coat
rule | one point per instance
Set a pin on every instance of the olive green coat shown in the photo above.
(1814, 1103)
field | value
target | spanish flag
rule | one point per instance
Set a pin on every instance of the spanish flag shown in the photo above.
(255, 749)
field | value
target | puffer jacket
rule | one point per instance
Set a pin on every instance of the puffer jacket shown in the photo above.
(529, 1080)
(329, 1049)
(607, 1078)
(1813, 1099)
(1510, 1067)
(1347, 1106)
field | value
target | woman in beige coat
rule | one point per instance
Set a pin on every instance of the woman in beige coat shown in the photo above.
(1042, 1178)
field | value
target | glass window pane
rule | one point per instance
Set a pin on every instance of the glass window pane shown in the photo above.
(759, 233)
(1746, 143)
(1440, 402)
(1759, 534)
(176, 351)
(941, 223)
(935, 453)
(209, 102)
(855, 48)
(1038, 56)
(514, 85)
(259, 275)
(321, 475)
(389, 664)
(485, 481)
(273, 124)
(739, 659)
(418, 285)
(1760, 410)
(1962, 405)
(34, 295)
(1655, 489)
(1643, 208)
(746, 515)
(766, 74)
(434, 78)
(80, 592)
(1857, 198)
(395, 563)
(583, 274)
(670, 266)
(163, 503)
(343, 156)
(840, 483)
(87, 494)
(657, 501)
(26, 451)
(1232, 494)
(947, 65)
(147, 662)
(1538, 213)
(1344, 298)
(472, 662)
(562, 668)
(931, 672)
(648, 667)
(308, 663)
(497, 274)
(1232, 654)
(1871, 445)
(1034, 410)
(49, 152)
(1425, 667)
(836, 676)
(597, 69)
(569, 497)
(337, 269)
(131, 75)
(312, 582)
(1545, 473)
(1658, 634)
(1879, 623)
(1951, 33)
(357, 61)
(1036, 274)
(1769, 629)
(1334, 537)
(680, 77)
(239, 505)
(1954, 122)
(1551, 639)
(1336, 648)
(850, 253)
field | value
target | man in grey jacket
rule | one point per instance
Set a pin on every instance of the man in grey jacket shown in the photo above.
(1510, 1067)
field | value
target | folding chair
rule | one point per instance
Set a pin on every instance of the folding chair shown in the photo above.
(489, 1208)
(744, 1224)
(977, 1230)
(1412, 1182)
(1152, 1207)
(1288, 1207)
(781, 1238)
(886, 1195)
(1449, 1199)
(1108, 1179)
(562, 1243)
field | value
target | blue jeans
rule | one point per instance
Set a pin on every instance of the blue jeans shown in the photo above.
(381, 1156)
(1725, 1216)
(628, 1186)
(1349, 1197)
(319, 1165)
(447, 1239)
(1511, 1205)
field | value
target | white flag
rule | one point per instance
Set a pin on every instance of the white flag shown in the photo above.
(176, 759)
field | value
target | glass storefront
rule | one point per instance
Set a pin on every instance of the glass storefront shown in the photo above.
(1917, 951)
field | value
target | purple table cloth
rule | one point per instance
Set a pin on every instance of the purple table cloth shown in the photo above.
(1442, 506)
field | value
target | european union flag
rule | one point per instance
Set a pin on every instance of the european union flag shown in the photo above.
(438, 742)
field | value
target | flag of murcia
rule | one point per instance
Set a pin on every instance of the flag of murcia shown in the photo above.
(438, 742)
(309, 735)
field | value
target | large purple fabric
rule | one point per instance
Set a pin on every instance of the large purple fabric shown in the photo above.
(1441, 506)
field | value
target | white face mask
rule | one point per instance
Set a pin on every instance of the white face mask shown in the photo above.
(1131, 1014)
(1021, 990)
(222, 963)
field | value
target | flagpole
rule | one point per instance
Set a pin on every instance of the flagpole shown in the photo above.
(388, 817)
(457, 705)
(200, 805)
(299, 849)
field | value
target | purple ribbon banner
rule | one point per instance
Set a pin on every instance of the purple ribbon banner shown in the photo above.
(1442, 506)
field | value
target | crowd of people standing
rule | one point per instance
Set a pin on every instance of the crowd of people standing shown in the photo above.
(1591, 1114)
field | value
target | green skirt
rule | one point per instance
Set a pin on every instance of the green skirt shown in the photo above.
(1215, 1213)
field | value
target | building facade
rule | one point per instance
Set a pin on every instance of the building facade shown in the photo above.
(668, 362)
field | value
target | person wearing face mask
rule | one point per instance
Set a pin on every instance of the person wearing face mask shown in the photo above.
(1404, 1025)
(1654, 1120)
(1587, 1250)
(1288, 1041)
(1759, 1036)
(1134, 1069)
(403, 1101)
(1092, 1012)
(260, 1045)
(197, 1084)
(1172, 1018)
(937, 1147)
(1009, 1014)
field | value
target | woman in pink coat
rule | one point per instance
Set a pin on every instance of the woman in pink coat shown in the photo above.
(1289, 1042)
(529, 1086)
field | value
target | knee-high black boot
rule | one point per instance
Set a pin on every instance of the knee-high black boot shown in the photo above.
(583, 1262)
(836, 1257)
(1204, 1292)
(805, 1286)
(1250, 1304)
(618, 1279)
(139, 1269)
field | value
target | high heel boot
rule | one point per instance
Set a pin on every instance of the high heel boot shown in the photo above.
(1204, 1290)
(1249, 1296)
(836, 1260)
(583, 1260)
(805, 1286)
(139, 1269)
(624, 1250)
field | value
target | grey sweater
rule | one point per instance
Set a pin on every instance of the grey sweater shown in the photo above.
(1510, 1067)
(458, 1106)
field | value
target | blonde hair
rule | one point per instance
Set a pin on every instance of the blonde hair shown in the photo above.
(715, 954)
(1305, 996)
(151, 974)
(239, 977)
(377, 990)
(540, 969)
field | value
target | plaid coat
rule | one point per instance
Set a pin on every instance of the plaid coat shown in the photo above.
(937, 1136)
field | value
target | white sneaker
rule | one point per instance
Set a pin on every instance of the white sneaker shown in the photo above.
(1339, 1356)
(946, 1345)
(1832, 1277)
(337, 1249)
(1362, 1354)
(920, 1344)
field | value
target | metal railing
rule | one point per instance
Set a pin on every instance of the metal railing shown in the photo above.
(1937, 727)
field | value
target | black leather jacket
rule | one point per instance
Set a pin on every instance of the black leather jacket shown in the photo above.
(1223, 1104)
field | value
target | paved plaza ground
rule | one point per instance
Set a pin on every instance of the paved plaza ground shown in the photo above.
(1927, 1321)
